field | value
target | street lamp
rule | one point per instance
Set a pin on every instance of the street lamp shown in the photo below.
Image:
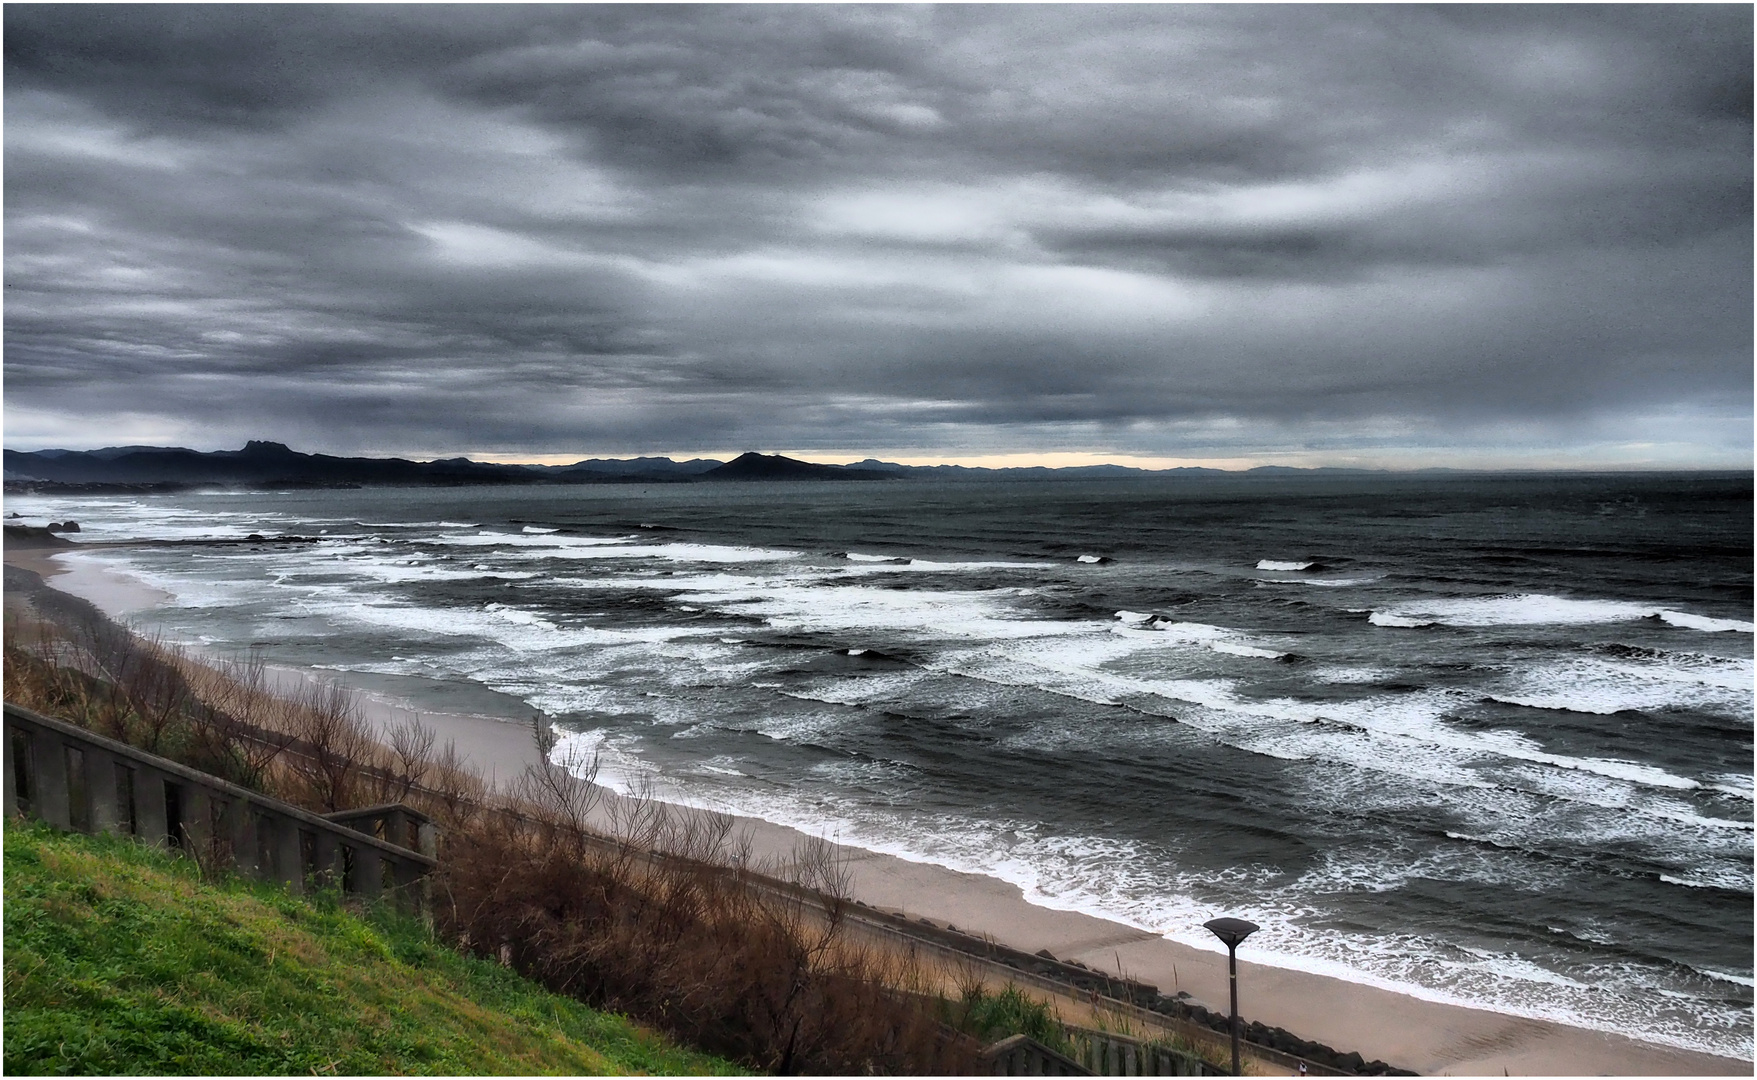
(1232, 931)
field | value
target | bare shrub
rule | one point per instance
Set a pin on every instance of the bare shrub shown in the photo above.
(697, 943)
(126, 688)
(243, 712)
(155, 691)
(455, 793)
(335, 746)
(559, 802)
(411, 745)
(43, 672)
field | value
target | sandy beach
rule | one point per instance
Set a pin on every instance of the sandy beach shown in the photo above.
(1428, 1037)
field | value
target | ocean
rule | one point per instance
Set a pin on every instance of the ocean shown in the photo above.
(1484, 739)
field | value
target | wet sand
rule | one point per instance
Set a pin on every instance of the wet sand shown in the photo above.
(1428, 1037)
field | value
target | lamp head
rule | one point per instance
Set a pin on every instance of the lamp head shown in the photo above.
(1231, 931)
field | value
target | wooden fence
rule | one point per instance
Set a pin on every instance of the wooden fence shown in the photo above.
(1021, 1055)
(1106, 1054)
(79, 780)
(1094, 1053)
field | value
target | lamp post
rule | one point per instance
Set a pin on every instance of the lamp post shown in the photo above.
(1232, 931)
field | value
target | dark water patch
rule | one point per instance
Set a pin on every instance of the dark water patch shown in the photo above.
(1684, 741)
(874, 658)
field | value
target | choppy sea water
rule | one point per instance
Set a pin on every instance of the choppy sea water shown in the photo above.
(1483, 739)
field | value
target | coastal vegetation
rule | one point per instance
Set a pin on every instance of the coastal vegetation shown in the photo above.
(637, 908)
(994, 1015)
(121, 959)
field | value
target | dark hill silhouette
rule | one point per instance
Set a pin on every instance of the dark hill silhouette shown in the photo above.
(259, 464)
(639, 466)
(755, 466)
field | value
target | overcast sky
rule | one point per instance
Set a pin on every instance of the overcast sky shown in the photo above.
(1397, 235)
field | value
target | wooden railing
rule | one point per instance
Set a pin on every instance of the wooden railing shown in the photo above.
(1021, 1055)
(1104, 1053)
(79, 780)
(1093, 1053)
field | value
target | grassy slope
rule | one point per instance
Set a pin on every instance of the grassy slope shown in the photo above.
(120, 960)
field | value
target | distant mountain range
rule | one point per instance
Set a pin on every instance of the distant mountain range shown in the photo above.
(274, 465)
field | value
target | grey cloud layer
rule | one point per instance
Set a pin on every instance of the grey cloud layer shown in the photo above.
(616, 229)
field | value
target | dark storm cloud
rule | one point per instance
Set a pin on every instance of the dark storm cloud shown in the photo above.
(1141, 229)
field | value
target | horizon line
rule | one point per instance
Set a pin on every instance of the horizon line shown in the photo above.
(1416, 462)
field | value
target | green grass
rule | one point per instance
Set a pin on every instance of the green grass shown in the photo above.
(120, 960)
(991, 1016)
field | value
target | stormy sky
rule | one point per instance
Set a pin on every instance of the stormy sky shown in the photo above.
(1501, 236)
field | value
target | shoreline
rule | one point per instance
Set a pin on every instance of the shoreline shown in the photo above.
(1409, 1032)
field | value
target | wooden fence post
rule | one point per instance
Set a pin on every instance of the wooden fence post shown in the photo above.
(152, 799)
(100, 790)
(290, 855)
(368, 871)
(329, 854)
(49, 779)
(16, 750)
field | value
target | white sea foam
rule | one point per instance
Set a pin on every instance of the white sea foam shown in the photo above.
(685, 584)
(500, 624)
(397, 571)
(931, 565)
(1704, 622)
(537, 529)
(1605, 686)
(115, 522)
(1089, 559)
(1732, 881)
(850, 609)
(1725, 976)
(1738, 784)
(611, 758)
(1280, 564)
(1244, 650)
(1345, 676)
(1538, 609)
(1219, 639)
(1386, 618)
(491, 538)
(186, 590)
(1190, 631)
(872, 564)
(865, 690)
(1408, 735)
(695, 553)
(560, 546)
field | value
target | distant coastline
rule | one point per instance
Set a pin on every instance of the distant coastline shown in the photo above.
(145, 470)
